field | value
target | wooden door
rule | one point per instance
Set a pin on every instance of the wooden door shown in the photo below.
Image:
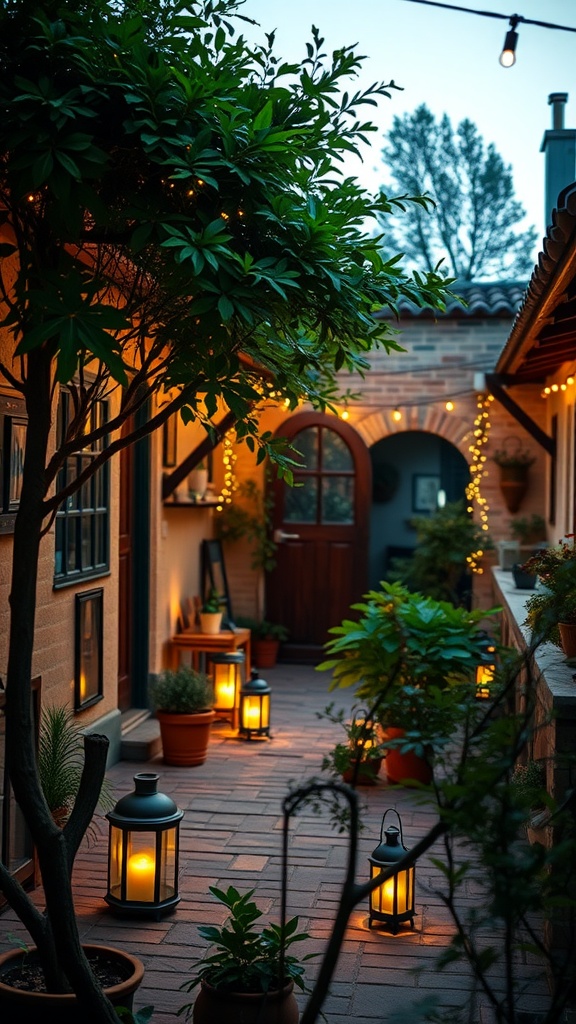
(125, 575)
(321, 526)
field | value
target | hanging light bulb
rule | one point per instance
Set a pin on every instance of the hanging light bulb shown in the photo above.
(396, 415)
(508, 55)
(449, 406)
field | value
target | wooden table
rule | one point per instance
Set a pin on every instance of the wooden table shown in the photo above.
(209, 643)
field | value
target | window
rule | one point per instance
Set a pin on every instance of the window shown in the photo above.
(88, 648)
(82, 522)
(13, 422)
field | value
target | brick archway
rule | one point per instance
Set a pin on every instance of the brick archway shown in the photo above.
(429, 418)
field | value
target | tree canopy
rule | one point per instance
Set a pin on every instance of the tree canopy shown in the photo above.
(471, 219)
(174, 232)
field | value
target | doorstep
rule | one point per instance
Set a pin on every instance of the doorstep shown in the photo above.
(140, 739)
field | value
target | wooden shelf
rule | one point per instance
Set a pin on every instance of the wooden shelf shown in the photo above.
(190, 504)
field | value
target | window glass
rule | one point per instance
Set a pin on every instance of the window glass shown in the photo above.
(338, 499)
(335, 452)
(301, 502)
(306, 442)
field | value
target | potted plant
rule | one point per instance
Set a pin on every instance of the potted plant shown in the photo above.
(414, 661)
(183, 701)
(551, 610)
(198, 481)
(60, 763)
(250, 975)
(266, 640)
(358, 760)
(211, 613)
(513, 461)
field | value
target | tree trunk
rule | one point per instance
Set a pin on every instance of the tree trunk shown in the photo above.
(55, 933)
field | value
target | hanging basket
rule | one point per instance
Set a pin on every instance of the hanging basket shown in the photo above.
(513, 463)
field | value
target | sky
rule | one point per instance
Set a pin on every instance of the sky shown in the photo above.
(449, 61)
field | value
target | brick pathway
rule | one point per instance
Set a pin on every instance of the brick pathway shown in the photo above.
(231, 834)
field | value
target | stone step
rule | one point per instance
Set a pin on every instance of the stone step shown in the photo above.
(140, 737)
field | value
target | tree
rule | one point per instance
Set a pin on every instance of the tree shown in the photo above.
(174, 236)
(470, 218)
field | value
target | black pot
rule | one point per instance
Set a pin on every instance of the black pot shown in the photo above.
(523, 580)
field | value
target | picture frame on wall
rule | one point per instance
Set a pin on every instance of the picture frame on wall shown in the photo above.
(88, 648)
(425, 488)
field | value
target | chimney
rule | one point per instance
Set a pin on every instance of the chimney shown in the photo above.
(559, 146)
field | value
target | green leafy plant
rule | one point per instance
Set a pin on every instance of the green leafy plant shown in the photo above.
(445, 540)
(528, 782)
(528, 529)
(61, 762)
(247, 959)
(182, 691)
(513, 454)
(213, 603)
(262, 629)
(413, 660)
(556, 601)
(363, 743)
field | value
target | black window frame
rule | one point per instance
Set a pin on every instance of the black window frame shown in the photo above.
(84, 515)
(12, 413)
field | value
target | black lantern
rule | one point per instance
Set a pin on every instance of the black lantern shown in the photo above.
(143, 851)
(393, 901)
(255, 707)
(227, 672)
(485, 672)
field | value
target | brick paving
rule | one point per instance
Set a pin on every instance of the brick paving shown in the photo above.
(231, 834)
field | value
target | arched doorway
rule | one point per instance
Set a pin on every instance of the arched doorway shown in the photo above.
(321, 526)
(409, 469)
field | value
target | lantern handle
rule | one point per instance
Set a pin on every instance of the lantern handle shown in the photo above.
(394, 811)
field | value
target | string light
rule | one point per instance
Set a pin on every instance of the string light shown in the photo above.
(553, 389)
(228, 461)
(396, 415)
(474, 494)
(449, 406)
(344, 415)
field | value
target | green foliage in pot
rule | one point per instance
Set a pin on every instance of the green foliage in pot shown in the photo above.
(262, 629)
(513, 454)
(446, 540)
(528, 529)
(213, 603)
(556, 601)
(61, 762)
(362, 744)
(413, 660)
(247, 959)
(182, 691)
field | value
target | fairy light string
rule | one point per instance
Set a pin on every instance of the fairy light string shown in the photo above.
(474, 495)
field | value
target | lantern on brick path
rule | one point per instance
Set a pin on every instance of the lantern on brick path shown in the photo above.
(143, 851)
(255, 707)
(392, 902)
(227, 671)
(485, 673)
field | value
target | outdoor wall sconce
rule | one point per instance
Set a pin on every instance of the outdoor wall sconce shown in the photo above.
(143, 851)
(255, 707)
(393, 901)
(227, 672)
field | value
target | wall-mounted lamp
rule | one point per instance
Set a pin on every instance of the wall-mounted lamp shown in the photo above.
(508, 56)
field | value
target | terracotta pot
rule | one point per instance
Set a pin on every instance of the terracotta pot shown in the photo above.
(568, 638)
(213, 1007)
(46, 1008)
(367, 772)
(404, 768)
(185, 738)
(210, 622)
(265, 652)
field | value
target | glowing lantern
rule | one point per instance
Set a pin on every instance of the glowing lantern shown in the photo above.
(392, 902)
(255, 707)
(228, 675)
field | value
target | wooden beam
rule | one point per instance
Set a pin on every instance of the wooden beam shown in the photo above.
(494, 382)
(171, 480)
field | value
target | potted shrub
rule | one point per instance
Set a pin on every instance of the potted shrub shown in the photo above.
(211, 613)
(183, 701)
(250, 975)
(266, 640)
(513, 461)
(529, 532)
(414, 661)
(358, 760)
(551, 610)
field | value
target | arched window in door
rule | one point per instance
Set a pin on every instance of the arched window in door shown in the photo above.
(324, 491)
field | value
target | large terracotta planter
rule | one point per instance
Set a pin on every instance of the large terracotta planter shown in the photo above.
(405, 768)
(185, 738)
(22, 1007)
(214, 1007)
(567, 632)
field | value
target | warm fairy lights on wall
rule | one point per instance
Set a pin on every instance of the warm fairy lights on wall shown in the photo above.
(228, 461)
(477, 471)
(553, 389)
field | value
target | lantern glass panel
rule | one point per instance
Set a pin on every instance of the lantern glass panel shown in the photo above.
(256, 712)
(395, 897)
(168, 864)
(115, 857)
(224, 686)
(140, 866)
